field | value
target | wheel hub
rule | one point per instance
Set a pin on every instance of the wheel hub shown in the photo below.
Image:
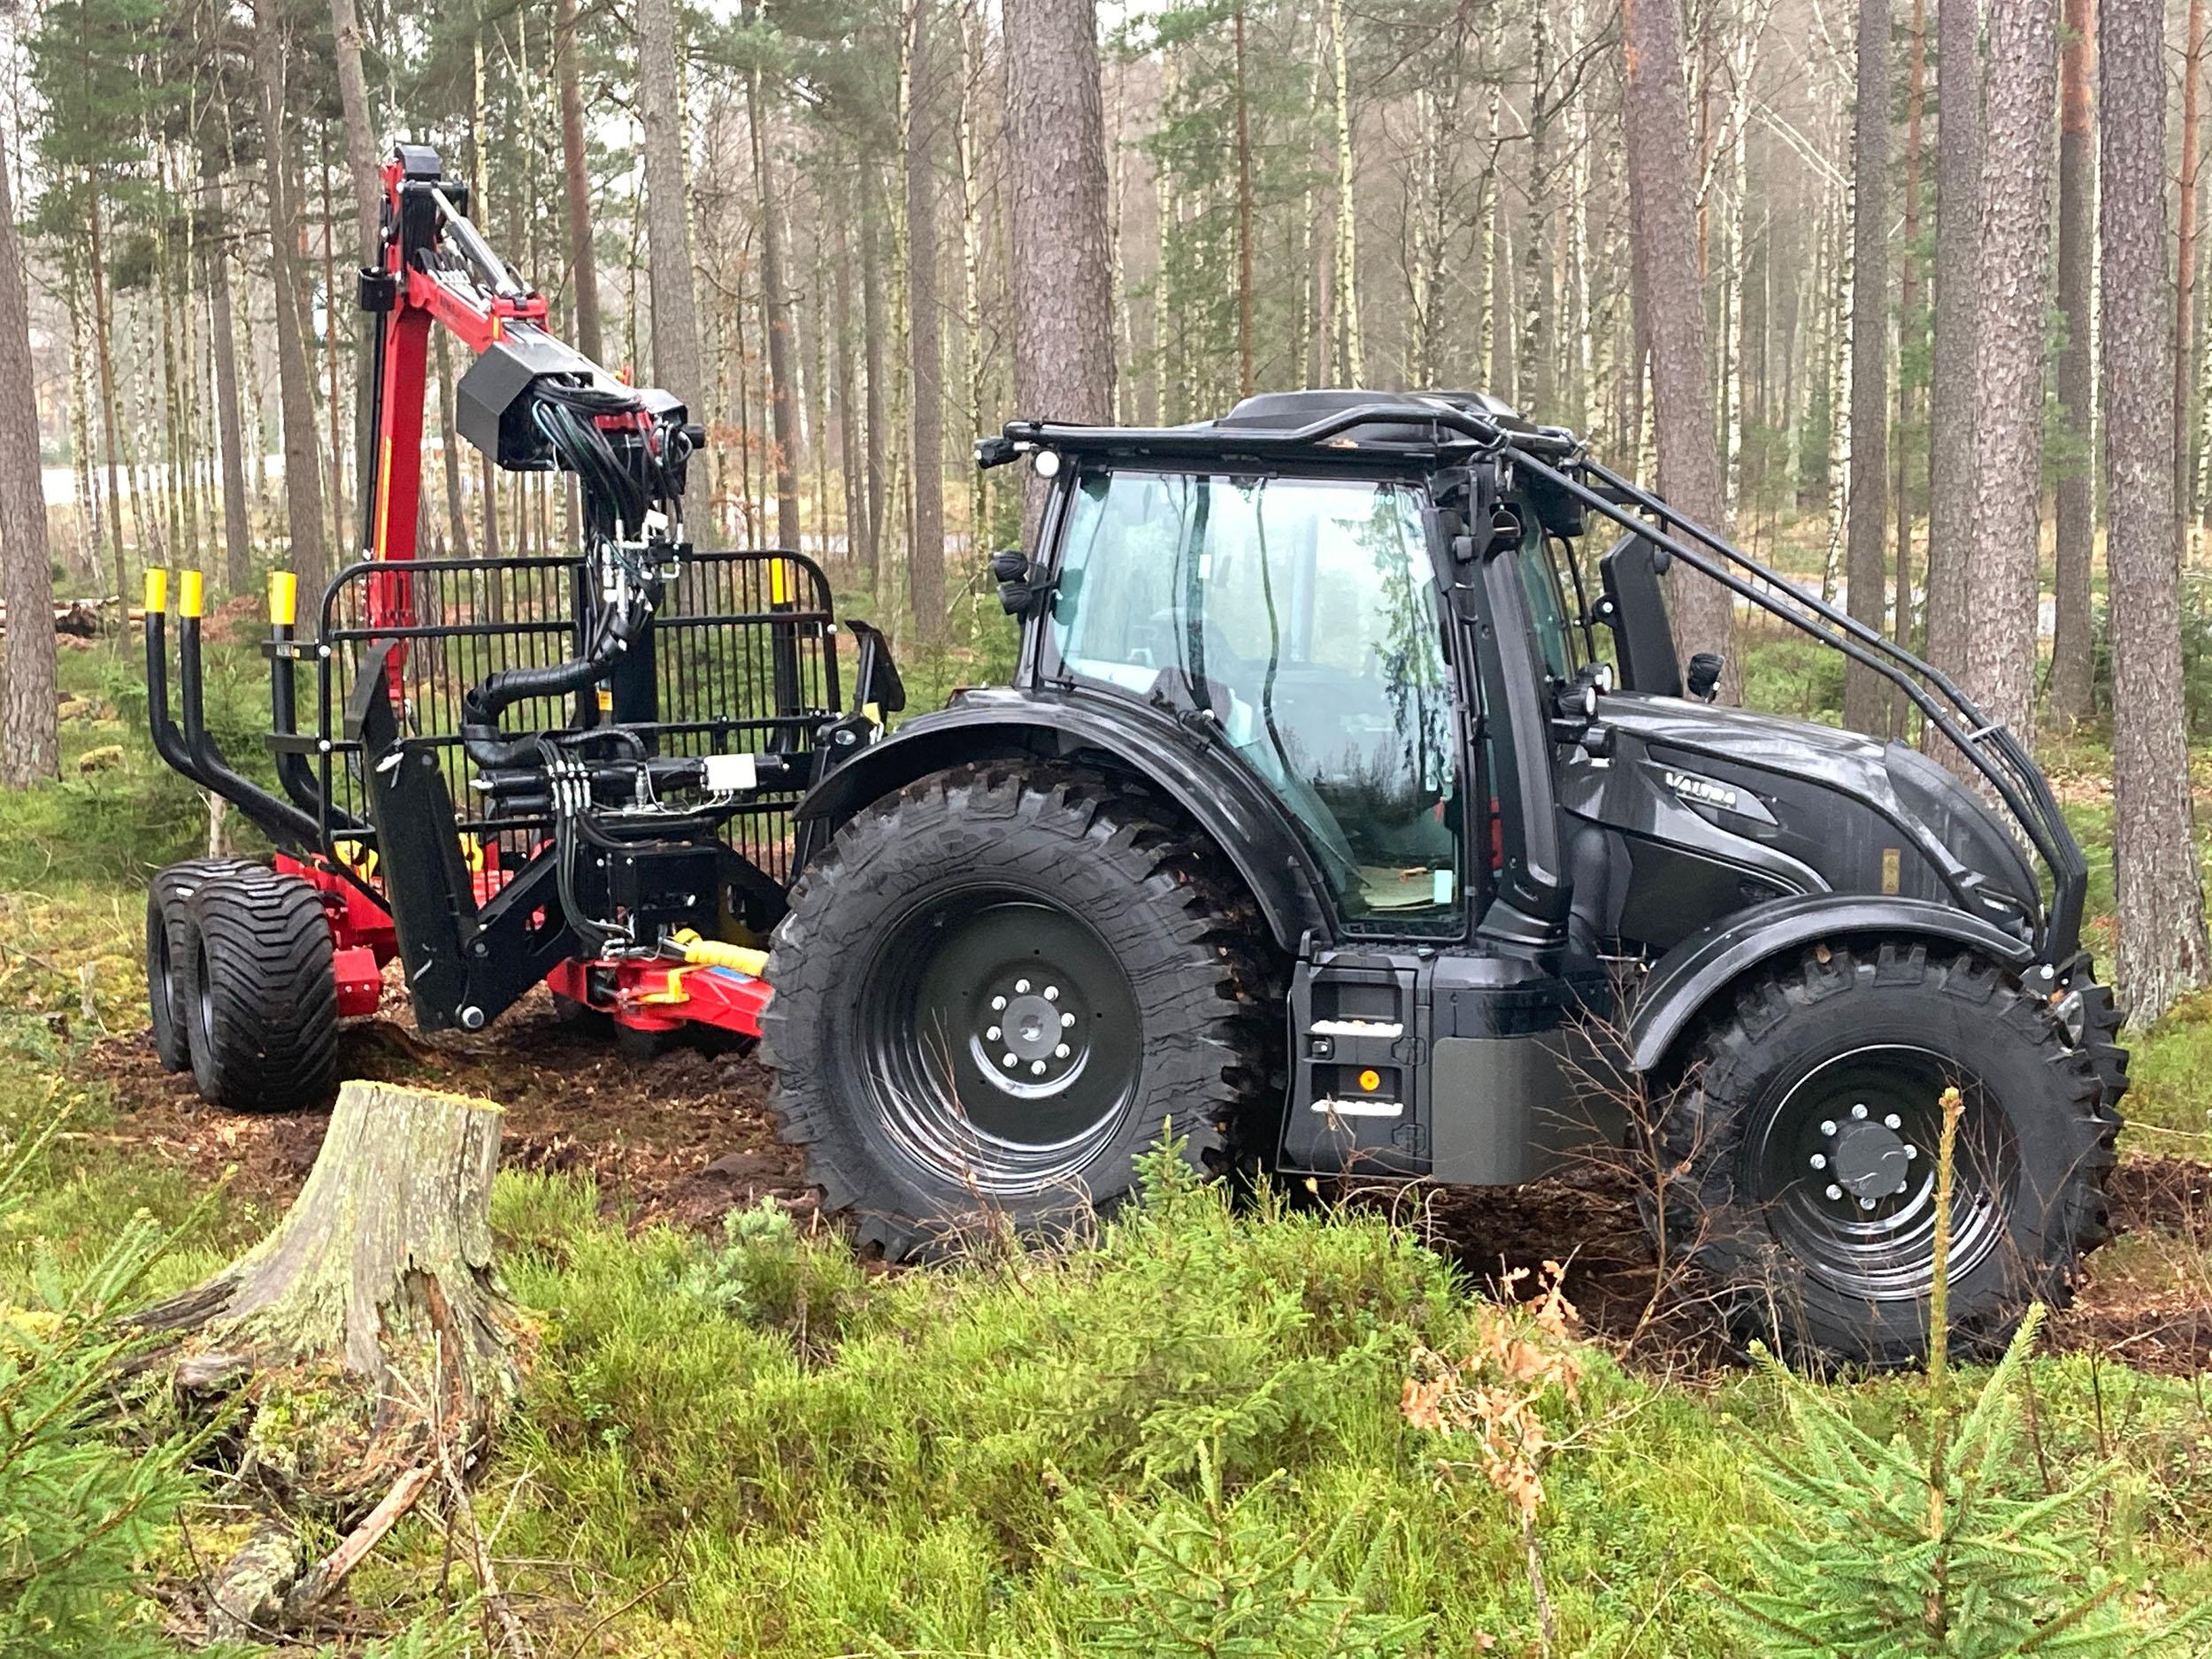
(1026, 1030)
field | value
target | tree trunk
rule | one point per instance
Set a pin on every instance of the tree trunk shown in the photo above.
(677, 360)
(845, 390)
(353, 99)
(1244, 194)
(1063, 300)
(1952, 413)
(103, 351)
(1865, 696)
(30, 738)
(302, 468)
(576, 182)
(1671, 305)
(375, 1299)
(2185, 267)
(450, 452)
(2162, 950)
(1534, 351)
(1351, 360)
(1909, 335)
(2010, 312)
(874, 330)
(926, 557)
(2069, 697)
(783, 404)
(237, 522)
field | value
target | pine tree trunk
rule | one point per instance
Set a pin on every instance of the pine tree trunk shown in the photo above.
(1865, 696)
(1244, 191)
(30, 741)
(2163, 949)
(677, 360)
(848, 458)
(1351, 359)
(783, 404)
(1908, 332)
(1534, 349)
(1672, 307)
(303, 466)
(1953, 424)
(874, 330)
(926, 554)
(237, 522)
(103, 352)
(1063, 338)
(2010, 312)
(2185, 267)
(2069, 697)
(576, 182)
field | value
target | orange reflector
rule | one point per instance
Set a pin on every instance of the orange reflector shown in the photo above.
(1370, 1079)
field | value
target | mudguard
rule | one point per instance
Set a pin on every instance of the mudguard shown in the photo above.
(1184, 758)
(1689, 976)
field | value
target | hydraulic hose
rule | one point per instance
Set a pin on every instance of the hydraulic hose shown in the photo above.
(483, 704)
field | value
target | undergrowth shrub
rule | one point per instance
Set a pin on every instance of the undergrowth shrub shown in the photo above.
(80, 1511)
(1175, 1574)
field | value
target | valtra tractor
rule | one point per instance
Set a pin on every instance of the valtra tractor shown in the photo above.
(1350, 812)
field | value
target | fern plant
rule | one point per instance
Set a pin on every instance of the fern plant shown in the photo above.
(1898, 1551)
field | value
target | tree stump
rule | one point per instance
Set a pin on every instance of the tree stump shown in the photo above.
(367, 1338)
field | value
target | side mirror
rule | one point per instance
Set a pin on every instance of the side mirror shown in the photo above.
(1016, 590)
(1704, 676)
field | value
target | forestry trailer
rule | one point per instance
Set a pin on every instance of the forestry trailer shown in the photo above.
(1345, 817)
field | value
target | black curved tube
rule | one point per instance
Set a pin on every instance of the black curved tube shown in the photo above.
(280, 821)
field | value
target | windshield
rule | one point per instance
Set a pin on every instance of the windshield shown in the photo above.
(1301, 612)
(1552, 582)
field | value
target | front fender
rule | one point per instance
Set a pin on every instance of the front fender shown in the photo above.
(1196, 771)
(1688, 977)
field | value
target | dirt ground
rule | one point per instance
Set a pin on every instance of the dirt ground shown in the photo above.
(683, 1136)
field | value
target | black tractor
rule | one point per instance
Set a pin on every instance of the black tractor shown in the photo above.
(1345, 817)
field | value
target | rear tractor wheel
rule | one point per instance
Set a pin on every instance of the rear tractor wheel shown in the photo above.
(260, 992)
(999, 987)
(1804, 1151)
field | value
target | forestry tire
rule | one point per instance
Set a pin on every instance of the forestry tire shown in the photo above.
(998, 989)
(1802, 1147)
(261, 992)
(168, 944)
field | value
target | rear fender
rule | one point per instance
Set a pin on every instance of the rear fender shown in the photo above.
(1705, 964)
(1183, 760)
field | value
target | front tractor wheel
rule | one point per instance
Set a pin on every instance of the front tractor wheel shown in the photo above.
(1802, 1151)
(997, 990)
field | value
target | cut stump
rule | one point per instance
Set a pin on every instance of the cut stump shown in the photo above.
(367, 1339)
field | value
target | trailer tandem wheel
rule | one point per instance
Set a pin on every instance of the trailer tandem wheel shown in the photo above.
(260, 992)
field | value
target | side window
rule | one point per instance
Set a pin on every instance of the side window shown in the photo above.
(1302, 613)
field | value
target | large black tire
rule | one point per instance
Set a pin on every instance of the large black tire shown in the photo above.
(1803, 1147)
(997, 989)
(261, 992)
(169, 942)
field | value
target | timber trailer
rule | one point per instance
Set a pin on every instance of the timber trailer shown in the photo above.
(1346, 816)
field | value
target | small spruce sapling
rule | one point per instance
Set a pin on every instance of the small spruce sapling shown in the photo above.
(1894, 1552)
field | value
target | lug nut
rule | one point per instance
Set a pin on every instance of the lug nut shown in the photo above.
(1062, 1052)
(1010, 1061)
(1036, 1067)
(1828, 1126)
(1021, 988)
(1820, 1160)
(1834, 1191)
(1911, 1151)
(1052, 993)
(1892, 1122)
(998, 1005)
(991, 1035)
(1866, 1203)
(1066, 1020)
(1859, 1111)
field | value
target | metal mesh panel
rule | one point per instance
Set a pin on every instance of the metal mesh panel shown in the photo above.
(743, 653)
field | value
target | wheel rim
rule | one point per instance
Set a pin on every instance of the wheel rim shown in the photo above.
(161, 972)
(203, 1001)
(1000, 1037)
(1844, 1171)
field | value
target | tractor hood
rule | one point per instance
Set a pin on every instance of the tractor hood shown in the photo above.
(1724, 807)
